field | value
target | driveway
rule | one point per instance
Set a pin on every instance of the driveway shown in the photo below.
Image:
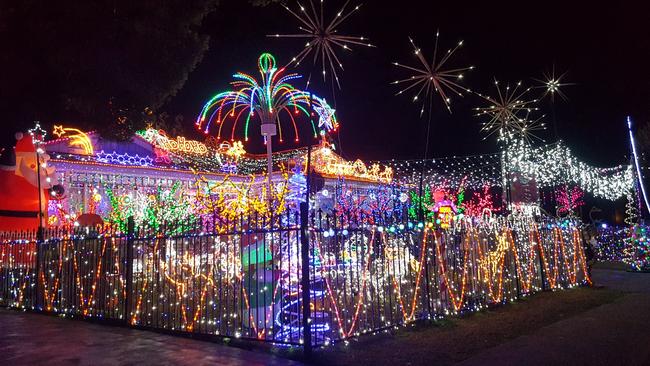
(35, 339)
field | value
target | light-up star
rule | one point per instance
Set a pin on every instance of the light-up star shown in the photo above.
(325, 117)
(58, 131)
(38, 133)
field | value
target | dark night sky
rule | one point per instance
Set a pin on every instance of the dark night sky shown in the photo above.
(606, 51)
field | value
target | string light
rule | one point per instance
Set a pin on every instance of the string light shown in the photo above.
(553, 84)
(37, 133)
(182, 288)
(230, 264)
(330, 164)
(322, 37)
(76, 138)
(433, 77)
(553, 164)
(124, 159)
(508, 112)
(179, 145)
(568, 200)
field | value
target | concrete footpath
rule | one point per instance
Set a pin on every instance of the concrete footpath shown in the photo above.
(35, 339)
(616, 333)
(612, 334)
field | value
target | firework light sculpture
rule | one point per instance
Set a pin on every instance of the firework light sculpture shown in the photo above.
(531, 127)
(509, 113)
(552, 84)
(322, 37)
(433, 77)
(265, 100)
(429, 79)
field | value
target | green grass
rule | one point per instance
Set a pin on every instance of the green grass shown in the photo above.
(454, 339)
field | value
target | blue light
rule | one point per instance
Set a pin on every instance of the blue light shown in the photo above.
(124, 159)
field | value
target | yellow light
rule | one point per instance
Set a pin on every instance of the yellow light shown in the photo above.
(76, 138)
(328, 163)
(179, 145)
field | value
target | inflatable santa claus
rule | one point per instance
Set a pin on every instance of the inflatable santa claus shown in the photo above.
(19, 182)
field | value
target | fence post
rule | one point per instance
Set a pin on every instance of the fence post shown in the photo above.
(306, 291)
(541, 262)
(425, 253)
(517, 279)
(40, 237)
(130, 235)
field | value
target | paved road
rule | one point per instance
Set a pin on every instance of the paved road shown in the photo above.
(34, 339)
(612, 334)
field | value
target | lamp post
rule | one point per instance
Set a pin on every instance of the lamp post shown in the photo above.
(37, 134)
(269, 129)
(38, 180)
(305, 280)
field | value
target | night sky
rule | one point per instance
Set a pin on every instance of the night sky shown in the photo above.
(604, 50)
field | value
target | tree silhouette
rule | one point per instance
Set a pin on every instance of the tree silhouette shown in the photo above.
(105, 65)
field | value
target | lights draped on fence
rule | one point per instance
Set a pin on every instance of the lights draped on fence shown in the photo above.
(245, 282)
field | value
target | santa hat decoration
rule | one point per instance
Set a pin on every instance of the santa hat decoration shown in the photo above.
(24, 144)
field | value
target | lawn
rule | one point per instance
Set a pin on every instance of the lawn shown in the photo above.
(452, 340)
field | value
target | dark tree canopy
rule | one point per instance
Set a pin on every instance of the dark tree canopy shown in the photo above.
(107, 64)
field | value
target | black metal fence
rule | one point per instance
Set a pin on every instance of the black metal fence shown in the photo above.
(245, 280)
